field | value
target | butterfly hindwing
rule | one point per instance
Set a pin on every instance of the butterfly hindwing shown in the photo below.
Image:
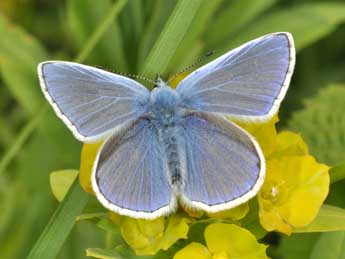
(248, 82)
(130, 175)
(225, 166)
(91, 101)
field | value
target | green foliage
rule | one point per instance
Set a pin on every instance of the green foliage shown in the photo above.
(84, 17)
(291, 248)
(61, 224)
(19, 55)
(322, 124)
(329, 218)
(171, 36)
(152, 37)
(329, 245)
(308, 23)
(337, 173)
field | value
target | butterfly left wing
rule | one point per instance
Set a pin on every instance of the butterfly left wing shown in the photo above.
(225, 166)
(130, 174)
(91, 101)
(248, 82)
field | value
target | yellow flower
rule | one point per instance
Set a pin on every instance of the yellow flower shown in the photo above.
(264, 133)
(293, 192)
(295, 185)
(147, 237)
(224, 241)
(236, 213)
(87, 158)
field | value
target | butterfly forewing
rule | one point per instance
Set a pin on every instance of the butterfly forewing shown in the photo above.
(248, 82)
(130, 175)
(91, 101)
(225, 166)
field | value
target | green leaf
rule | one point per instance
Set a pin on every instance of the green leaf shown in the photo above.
(329, 218)
(137, 18)
(103, 253)
(307, 23)
(322, 124)
(337, 173)
(191, 45)
(234, 16)
(171, 37)
(19, 55)
(85, 19)
(120, 252)
(61, 224)
(297, 246)
(61, 181)
(158, 16)
(330, 245)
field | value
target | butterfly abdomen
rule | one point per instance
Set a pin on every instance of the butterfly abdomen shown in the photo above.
(168, 136)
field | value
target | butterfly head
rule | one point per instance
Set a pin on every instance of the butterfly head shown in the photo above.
(160, 82)
(163, 98)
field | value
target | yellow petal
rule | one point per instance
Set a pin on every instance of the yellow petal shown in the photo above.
(88, 156)
(175, 80)
(144, 236)
(272, 221)
(61, 181)
(310, 193)
(177, 229)
(236, 213)
(289, 144)
(234, 241)
(147, 237)
(193, 251)
(221, 255)
(293, 192)
(265, 133)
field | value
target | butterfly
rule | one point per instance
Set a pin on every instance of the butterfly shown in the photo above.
(175, 146)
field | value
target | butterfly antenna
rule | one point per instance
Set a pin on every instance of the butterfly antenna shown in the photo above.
(202, 58)
(140, 77)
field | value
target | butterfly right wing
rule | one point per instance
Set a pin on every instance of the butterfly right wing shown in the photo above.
(225, 166)
(246, 83)
(130, 173)
(90, 101)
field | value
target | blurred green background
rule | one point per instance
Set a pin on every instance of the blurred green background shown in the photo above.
(33, 142)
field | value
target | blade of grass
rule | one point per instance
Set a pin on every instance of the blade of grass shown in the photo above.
(171, 37)
(20, 140)
(158, 15)
(135, 7)
(82, 19)
(60, 225)
(234, 17)
(192, 43)
(97, 35)
(307, 23)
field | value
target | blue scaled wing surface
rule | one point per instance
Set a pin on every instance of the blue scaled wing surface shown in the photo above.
(248, 82)
(91, 102)
(130, 174)
(225, 166)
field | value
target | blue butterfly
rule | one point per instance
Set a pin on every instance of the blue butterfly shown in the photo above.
(169, 146)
